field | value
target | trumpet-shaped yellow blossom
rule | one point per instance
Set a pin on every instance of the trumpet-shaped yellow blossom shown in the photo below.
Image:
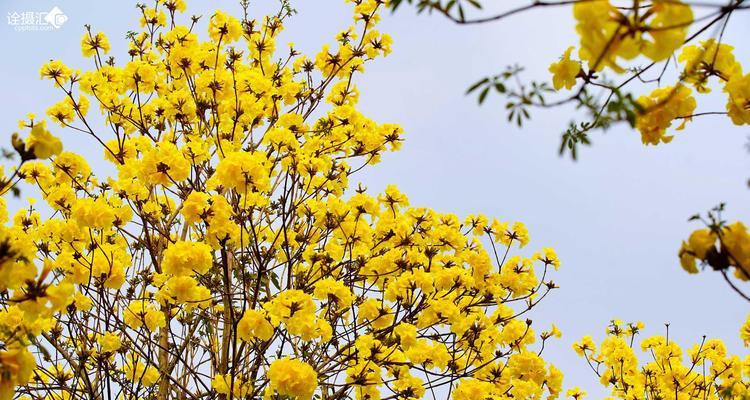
(565, 71)
(254, 325)
(57, 71)
(41, 142)
(109, 342)
(334, 291)
(93, 44)
(185, 258)
(293, 378)
(224, 27)
(140, 312)
(723, 247)
(227, 384)
(243, 172)
(738, 103)
(16, 368)
(660, 109)
(575, 393)
(707, 59)
(140, 374)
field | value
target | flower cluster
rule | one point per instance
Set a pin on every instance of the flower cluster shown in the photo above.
(704, 371)
(660, 109)
(722, 247)
(608, 33)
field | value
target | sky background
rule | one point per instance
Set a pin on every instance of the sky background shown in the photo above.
(616, 217)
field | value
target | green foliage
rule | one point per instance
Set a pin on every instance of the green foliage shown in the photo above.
(519, 98)
(443, 7)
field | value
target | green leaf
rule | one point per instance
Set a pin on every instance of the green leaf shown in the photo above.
(275, 280)
(483, 94)
(477, 85)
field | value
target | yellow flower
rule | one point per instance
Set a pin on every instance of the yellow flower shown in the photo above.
(293, 378)
(195, 206)
(154, 17)
(109, 342)
(185, 258)
(139, 312)
(736, 239)
(177, 5)
(585, 346)
(94, 213)
(57, 71)
(334, 290)
(575, 393)
(90, 44)
(701, 241)
(745, 332)
(164, 165)
(565, 71)
(472, 389)
(223, 383)
(42, 143)
(16, 368)
(555, 332)
(243, 172)
(660, 109)
(254, 325)
(666, 29)
(600, 27)
(186, 290)
(82, 302)
(709, 59)
(224, 27)
(738, 104)
(697, 247)
(139, 373)
(549, 256)
(687, 258)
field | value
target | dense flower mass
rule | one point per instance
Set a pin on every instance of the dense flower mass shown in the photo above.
(705, 371)
(230, 254)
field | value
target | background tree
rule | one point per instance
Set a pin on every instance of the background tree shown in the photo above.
(625, 48)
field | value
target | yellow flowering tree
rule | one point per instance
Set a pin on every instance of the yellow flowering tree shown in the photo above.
(230, 256)
(626, 48)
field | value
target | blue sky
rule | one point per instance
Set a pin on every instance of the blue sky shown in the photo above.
(616, 217)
